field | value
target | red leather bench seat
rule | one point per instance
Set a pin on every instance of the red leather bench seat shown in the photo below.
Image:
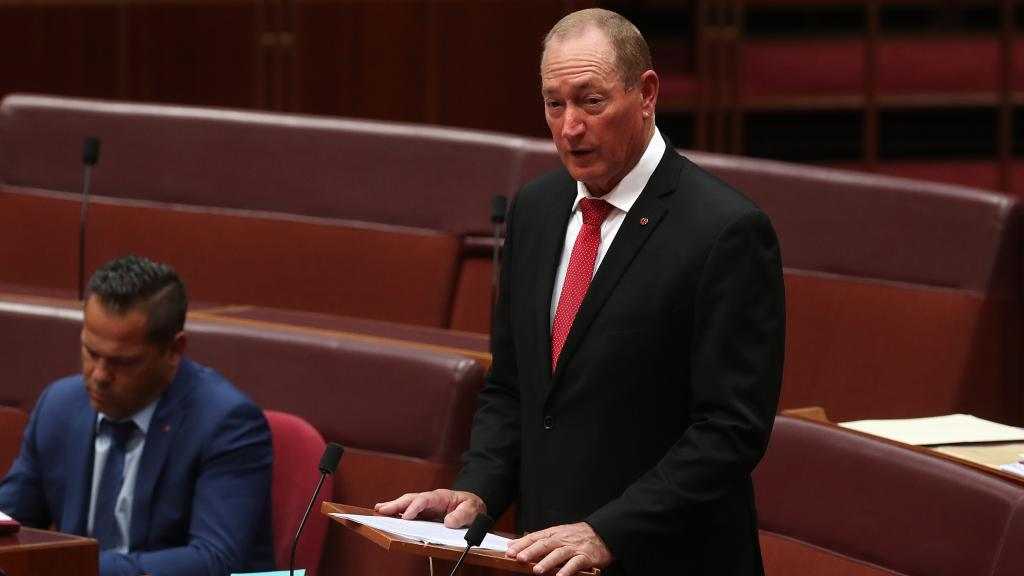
(831, 501)
(402, 174)
(903, 297)
(348, 268)
(470, 343)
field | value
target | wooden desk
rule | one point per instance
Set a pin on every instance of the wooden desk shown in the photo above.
(31, 552)
(992, 454)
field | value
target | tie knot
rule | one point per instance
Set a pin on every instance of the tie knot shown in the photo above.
(594, 211)
(120, 432)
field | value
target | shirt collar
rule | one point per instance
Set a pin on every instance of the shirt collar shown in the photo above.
(142, 418)
(632, 184)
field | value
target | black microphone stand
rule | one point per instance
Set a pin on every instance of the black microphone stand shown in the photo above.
(90, 156)
(474, 536)
(328, 464)
(499, 207)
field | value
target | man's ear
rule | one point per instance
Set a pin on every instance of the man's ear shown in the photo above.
(649, 84)
(178, 345)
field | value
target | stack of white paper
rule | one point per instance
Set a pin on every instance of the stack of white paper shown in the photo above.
(939, 430)
(423, 531)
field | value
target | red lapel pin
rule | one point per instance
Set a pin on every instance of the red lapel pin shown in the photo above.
(644, 221)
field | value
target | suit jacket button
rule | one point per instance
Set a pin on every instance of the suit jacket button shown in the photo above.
(549, 422)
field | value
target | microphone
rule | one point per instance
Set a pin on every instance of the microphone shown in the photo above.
(474, 536)
(499, 207)
(328, 464)
(90, 156)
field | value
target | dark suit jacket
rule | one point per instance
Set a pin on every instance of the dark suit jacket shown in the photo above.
(665, 392)
(202, 497)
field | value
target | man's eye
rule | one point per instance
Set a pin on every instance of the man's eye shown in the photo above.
(553, 104)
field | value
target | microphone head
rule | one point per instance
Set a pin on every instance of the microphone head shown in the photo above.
(499, 206)
(332, 455)
(91, 151)
(478, 529)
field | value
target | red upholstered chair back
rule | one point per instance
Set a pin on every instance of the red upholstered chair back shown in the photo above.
(832, 501)
(12, 423)
(396, 173)
(297, 450)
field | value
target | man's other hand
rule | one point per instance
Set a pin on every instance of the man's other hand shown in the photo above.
(458, 508)
(570, 547)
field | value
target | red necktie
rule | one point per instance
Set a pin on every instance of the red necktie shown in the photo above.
(579, 273)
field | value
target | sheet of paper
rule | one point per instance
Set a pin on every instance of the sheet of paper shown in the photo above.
(937, 430)
(4, 516)
(429, 532)
(1014, 468)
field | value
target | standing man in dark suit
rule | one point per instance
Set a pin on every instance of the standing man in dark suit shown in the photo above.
(160, 459)
(638, 342)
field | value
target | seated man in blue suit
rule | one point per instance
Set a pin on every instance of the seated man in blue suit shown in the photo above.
(160, 459)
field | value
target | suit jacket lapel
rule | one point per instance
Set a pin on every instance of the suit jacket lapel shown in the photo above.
(163, 428)
(78, 483)
(628, 240)
(554, 223)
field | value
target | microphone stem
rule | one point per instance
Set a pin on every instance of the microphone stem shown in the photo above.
(495, 275)
(81, 231)
(295, 542)
(461, 558)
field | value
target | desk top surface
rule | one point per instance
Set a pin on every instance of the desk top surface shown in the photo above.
(33, 538)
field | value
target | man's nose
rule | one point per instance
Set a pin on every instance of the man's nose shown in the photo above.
(573, 126)
(99, 372)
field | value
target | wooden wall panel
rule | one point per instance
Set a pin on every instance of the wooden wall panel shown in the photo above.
(361, 59)
(61, 48)
(190, 52)
(466, 63)
(489, 64)
(457, 63)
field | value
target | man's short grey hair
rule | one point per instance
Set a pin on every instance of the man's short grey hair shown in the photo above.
(632, 55)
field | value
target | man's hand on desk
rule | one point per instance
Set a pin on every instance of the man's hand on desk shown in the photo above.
(573, 547)
(458, 508)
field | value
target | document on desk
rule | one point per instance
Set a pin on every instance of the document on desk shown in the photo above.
(939, 430)
(8, 524)
(423, 531)
(1013, 468)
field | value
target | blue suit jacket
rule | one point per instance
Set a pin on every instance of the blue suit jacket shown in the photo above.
(202, 497)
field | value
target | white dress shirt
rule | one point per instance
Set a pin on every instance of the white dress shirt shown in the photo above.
(621, 198)
(133, 453)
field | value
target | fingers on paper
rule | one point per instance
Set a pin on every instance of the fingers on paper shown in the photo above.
(568, 549)
(465, 511)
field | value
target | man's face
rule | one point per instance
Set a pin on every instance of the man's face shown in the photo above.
(123, 370)
(600, 127)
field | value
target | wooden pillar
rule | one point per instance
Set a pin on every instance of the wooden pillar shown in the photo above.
(870, 108)
(1005, 116)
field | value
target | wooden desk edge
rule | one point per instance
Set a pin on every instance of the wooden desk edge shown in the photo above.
(817, 415)
(485, 558)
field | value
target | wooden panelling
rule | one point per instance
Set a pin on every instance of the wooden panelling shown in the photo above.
(458, 63)
(363, 59)
(68, 49)
(489, 62)
(193, 53)
(464, 63)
